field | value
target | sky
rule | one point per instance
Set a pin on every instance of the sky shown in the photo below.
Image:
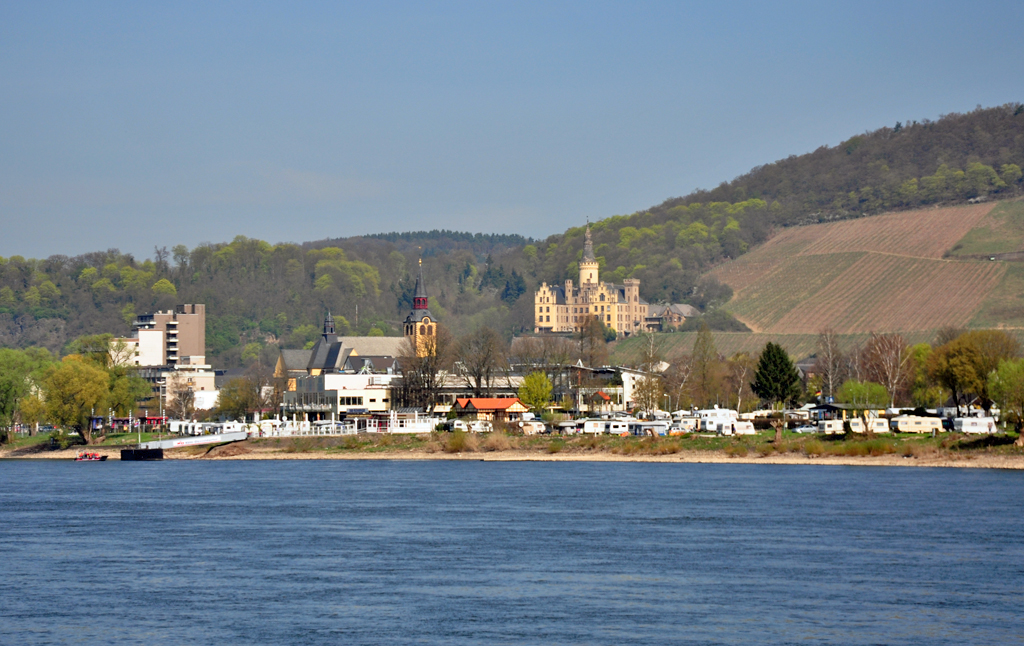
(137, 125)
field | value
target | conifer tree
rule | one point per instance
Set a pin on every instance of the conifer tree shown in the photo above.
(776, 379)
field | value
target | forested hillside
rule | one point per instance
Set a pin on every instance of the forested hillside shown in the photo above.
(261, 296)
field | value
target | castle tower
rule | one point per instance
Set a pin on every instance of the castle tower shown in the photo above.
(588, 265)
(420, 326)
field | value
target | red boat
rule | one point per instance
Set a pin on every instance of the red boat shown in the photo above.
(90, 457)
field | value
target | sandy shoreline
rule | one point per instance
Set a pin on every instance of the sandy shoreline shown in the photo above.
(976, 461)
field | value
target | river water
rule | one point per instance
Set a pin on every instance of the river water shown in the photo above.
(451, 552)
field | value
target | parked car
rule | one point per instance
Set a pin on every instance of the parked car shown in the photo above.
(805, 428)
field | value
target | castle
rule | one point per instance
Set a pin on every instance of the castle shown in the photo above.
(559, 308)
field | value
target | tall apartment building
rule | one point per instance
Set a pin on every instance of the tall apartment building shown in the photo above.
(166, 338)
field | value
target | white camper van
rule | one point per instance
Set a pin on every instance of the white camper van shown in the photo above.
(872, 425)
(717, 420)
(830, 426)
(745, 428)
(915, 424)
(974, 425)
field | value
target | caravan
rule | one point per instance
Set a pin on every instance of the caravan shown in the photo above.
(831, 426)
(871, 425)
(974, 425)
(915, 424)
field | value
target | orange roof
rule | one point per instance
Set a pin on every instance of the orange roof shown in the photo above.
(489, 403)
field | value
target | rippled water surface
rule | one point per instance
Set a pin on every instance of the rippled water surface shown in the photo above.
(382, 552)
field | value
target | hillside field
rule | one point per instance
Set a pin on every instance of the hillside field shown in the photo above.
(629, 352)
(912, 272)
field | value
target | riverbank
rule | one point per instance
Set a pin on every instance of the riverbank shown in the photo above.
(991, 452)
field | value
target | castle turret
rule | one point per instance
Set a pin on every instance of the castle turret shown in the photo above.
(588, 265)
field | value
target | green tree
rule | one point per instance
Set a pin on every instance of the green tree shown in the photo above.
(18, 369)
(1006, 384)
(536, 391)
(73, 390)
(164, 287)
(863, 393)
(704, 366)
(776, 380)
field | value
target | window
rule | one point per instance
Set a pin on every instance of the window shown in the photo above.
(602, 297)
(548, 320)
(548, 309)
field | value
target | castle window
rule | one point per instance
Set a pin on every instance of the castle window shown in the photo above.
(549, 309)
(430, 330)
(423, 329)
(548, 320)
(602, 297)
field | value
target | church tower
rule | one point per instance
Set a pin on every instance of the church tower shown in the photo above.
(588, 266)
(420, 326)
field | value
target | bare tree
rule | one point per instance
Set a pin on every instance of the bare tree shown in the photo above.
(180, 398)
(704, 366)
(677, 378)
(482, 356)
(831, 363)
(593, 351)
(648, 389)
(740, 368)
(423, 375)
(887, 360)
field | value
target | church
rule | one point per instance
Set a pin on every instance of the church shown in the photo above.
(564, 308)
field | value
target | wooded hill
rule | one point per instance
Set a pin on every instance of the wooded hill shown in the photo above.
(261, 296)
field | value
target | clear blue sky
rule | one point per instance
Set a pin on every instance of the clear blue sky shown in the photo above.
(135, 124)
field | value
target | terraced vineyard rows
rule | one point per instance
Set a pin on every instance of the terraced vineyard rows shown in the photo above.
(767, 301)
(928, 233)
(881, 293)
(882, 273)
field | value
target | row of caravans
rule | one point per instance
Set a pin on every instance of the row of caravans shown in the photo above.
(908, 424)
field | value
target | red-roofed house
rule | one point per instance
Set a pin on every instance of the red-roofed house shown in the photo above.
(501, 409)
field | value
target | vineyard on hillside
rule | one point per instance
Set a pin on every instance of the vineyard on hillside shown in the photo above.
(884, 273)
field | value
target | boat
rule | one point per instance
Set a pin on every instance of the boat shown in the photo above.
(90, 457)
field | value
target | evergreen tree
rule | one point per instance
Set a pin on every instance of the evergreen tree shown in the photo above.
(776, 379)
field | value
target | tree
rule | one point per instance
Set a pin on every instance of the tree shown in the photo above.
(1006, 384)
(233, 399)
(482, 356)
(863, 393)
(677, 379)
(593, 344)
(536, 391)
(738, 371)
(648, 388)
(73, 390)
(424, 374)
(181, 398)
(19, 371)
(964, 364)
(776, 380)
(887, 361)
(253, 393)
(704, 366)
(830, 362)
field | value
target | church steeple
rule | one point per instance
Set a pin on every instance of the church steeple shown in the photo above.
(329, 324)
(419, 298)
(420, 327)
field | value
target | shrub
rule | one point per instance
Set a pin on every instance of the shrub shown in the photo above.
(459, 441)
(556, 445)
(813, 447)
(497, 442)
(736, 450)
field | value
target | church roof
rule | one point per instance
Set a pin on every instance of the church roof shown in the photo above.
(421, 288)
